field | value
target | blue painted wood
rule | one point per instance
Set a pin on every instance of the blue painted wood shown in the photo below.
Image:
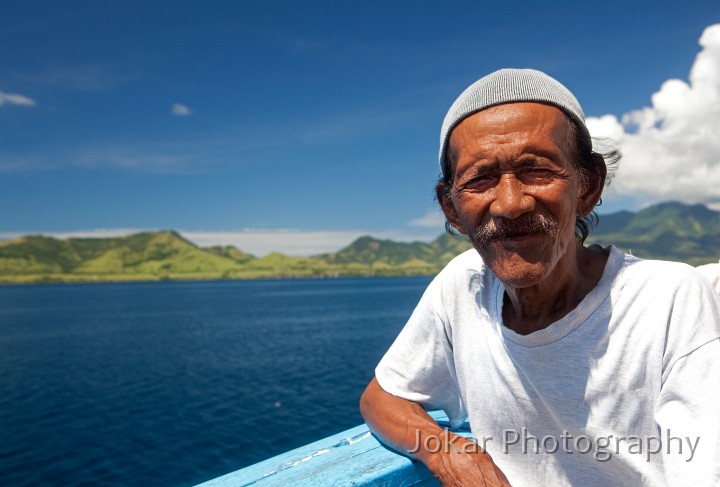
(351, 458)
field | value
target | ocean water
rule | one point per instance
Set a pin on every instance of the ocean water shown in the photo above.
(175, 383)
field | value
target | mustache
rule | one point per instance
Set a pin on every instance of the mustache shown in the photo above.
(525, 225)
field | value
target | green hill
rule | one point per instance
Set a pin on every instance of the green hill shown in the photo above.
(167, 255)
(143, 256)
(668, 231)
(231, 253)
(387, 256)
(671, 231)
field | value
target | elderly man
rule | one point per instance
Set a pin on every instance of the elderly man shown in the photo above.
(575, 365)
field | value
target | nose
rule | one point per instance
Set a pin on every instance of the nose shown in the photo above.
(510, 199)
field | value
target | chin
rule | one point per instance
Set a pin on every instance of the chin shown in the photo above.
(516, 270)
(520, 278)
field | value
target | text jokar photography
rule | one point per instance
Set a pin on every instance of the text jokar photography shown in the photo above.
(602, 448)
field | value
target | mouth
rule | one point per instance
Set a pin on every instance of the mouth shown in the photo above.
(519, 235)
(515, 237)
(516, 232)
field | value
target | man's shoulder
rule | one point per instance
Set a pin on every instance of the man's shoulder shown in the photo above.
(655, 274)
(469, 259)
(653, 268)
(464, 276)
(712, 274)
(462, 266)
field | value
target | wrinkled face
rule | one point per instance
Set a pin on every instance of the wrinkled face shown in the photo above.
(516, 190)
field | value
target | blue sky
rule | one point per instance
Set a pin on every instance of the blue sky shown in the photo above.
(298, 126)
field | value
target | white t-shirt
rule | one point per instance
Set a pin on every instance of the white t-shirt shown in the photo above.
(712, 273)
(617, 392)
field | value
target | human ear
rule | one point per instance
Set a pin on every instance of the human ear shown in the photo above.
(442, 193)
(593, 187)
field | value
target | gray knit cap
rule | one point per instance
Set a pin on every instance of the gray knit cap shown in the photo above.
(506, 86)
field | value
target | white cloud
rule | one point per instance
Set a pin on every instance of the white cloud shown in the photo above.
(15, 99)
(715, 206)
(156, 159)
(671, 150)
(261, 242)
(93, 77)
(180, 110)
(431, 219)
(94, 233)
(344, 126)
(148, 161)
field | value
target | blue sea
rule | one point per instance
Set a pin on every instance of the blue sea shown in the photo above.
(175, 383)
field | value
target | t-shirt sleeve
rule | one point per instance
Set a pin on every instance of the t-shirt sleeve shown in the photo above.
(419, 365)
(688, 409)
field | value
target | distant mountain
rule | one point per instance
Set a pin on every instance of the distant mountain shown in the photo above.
(149, 255)
(671, 231)
(167, 255)
(390, 254)
(231, 253)
(668, 231)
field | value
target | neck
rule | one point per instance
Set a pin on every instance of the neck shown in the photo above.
(530, 309)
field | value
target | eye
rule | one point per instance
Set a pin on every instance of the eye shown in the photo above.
(537, 175)
(481, 180)
(537, 170)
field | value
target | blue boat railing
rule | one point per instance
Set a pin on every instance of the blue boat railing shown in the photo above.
(351, 458)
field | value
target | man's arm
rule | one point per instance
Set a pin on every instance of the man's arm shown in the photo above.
(687, 408)
(404, 426)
